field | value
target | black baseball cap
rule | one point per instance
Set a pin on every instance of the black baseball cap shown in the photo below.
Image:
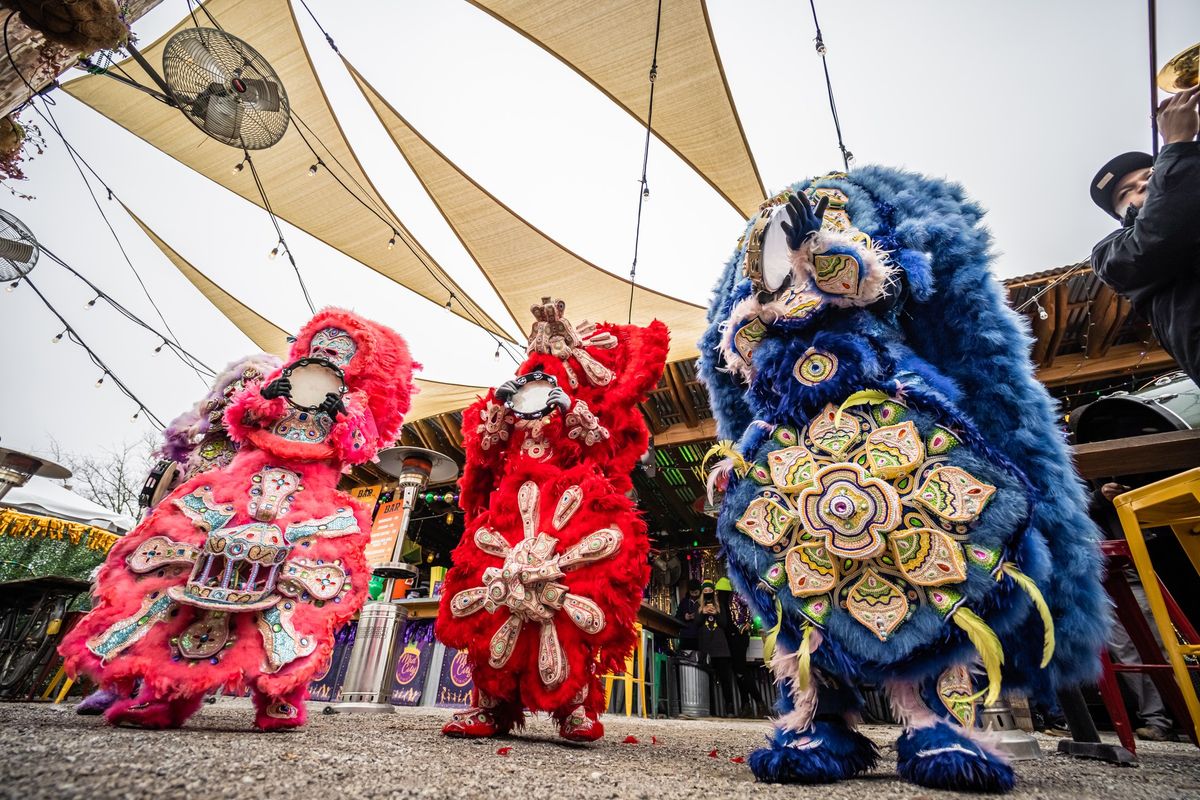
(1117, 168)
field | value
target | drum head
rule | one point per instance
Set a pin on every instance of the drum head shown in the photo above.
(532, 398)
(312, 379)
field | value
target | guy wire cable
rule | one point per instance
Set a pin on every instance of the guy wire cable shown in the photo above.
(847, 156)
(643, 189)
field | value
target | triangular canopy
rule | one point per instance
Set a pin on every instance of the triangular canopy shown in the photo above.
(315, 204)
(611, 43)
(523, 263)
(432, 398)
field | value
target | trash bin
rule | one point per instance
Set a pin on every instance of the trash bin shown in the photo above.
(693, 688)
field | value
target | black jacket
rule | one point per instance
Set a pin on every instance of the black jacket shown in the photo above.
(1154, 259)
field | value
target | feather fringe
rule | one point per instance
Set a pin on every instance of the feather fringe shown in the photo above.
(988, 645)
(726, 448)
(858, 399)
(804, 659)
(1039, 602)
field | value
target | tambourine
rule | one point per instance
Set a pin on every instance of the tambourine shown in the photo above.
(531, 400)
(312, 379)
(158, 483)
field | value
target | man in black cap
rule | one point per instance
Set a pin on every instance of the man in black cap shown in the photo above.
(1154, 259)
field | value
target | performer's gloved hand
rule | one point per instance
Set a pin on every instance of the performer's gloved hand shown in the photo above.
(280, 387)
(333, 405)
(559, 398)
(805, 221)
(506, 390)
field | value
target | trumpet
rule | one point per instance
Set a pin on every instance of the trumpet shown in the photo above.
(1181, 72)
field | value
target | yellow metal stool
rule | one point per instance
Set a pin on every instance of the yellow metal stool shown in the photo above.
(1175, 503)
(633, 676)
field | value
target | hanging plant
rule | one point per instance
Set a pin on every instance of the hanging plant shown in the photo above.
(80, 26)
(15, 142)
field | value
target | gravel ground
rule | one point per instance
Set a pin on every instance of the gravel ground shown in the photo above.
(48, 751)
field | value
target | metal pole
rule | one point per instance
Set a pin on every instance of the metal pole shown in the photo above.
(1152, 19)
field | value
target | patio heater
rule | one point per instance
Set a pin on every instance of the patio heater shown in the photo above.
(16, 468)
(381, 622)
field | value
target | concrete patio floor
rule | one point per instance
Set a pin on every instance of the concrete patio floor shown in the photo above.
(49, 752)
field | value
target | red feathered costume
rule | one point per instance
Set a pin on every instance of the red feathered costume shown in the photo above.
(241, 575)
(549, 574)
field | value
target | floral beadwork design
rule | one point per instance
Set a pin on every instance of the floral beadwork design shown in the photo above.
(863, 512)
(815, 366)
(582, 424)
(526, 584)
(493, 426)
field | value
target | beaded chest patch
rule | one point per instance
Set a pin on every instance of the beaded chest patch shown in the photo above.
(860, 510)
(526, 584)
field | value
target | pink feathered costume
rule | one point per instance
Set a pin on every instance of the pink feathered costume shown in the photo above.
(241, 576)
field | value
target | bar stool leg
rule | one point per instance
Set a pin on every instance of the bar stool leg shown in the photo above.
(1110, 691)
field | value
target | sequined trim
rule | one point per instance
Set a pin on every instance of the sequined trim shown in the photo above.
(955, 688)
(527, 504)
(552, 661)
(504, 642)
(954, 494)
(128, 631)
(586, 615)
(340, 523)
(929, 557)
(205, 637)
(272, 492)
(810, 570)
(894, 450)
(494, 425)
(582, 424)
(334, 344)
(200, 507)
(595, 546)
(159, 551)
(568, 504)
(851, 510)
(832, 434)
(281, 642)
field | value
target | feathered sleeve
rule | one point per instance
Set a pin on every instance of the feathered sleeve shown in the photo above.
(354, 437)
(486, 432)
(249, 410)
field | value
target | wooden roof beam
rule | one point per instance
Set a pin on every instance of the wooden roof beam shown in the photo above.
(1059, 309)
(1078, 368)
(683, 398)
(685, 434)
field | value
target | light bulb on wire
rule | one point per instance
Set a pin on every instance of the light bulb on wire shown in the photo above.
(392, 241)
(238, 167)
(58, 338)
(313, 169)
(135, 416)
(157, 350)
(274, 252)
(496, 357)
(91, 303)
(100, 382)
(1042, 313)
(12, 286)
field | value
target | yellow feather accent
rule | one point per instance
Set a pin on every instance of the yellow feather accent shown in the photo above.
(1039, 602)
(858, 399)
(804, 659)
(988, 646)
(770, 636)
(726, 449)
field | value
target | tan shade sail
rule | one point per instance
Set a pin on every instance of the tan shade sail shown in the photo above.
(522, 263)
(432, 398)
(317, 204)
(611, 44)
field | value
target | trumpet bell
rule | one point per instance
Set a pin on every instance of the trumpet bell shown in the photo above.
(1181, 72)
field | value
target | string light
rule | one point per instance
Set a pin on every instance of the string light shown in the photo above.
(136, 414)
(91, 303)
(449, 299)
(13, 285)
(497, 355)
(1042, 313)
(158, 349)
(392, 241)
(449, 517)
(58, 338)
(313, 169)
(645, 191)
(238, 167)
(100, 382)
(274, 252)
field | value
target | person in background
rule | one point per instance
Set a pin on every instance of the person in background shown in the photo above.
(739, 641)
(1154, 258)
(714, 642)
(689, 613)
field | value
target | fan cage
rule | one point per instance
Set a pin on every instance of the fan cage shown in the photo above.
(226, 88)
(18, 248)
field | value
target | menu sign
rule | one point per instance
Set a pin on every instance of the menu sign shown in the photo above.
(384, 533)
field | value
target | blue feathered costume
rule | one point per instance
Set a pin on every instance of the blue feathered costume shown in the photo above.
(898, 499)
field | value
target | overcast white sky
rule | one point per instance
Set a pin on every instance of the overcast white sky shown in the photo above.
(1021, 101)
